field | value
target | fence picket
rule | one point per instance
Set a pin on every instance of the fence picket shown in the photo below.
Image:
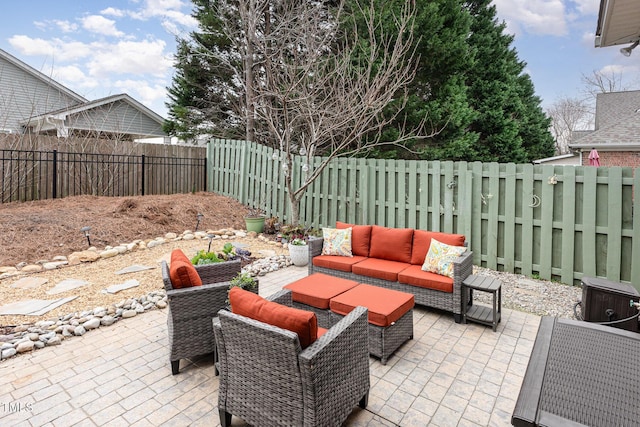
(509, 228)
(568, 224)
(493, 205)
(614, 221)
(589, 203)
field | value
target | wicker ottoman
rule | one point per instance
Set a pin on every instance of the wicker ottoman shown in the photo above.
(314, 292)
(390, 316)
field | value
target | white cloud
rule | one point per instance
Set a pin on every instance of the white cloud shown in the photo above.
(74, 77)
(101, 25)
(56, 49)
(170, 10)
(112, 11)
(142, 90)
(542, 17)
(62, 25)
(140, 58)
(587, 7)
(66, 26)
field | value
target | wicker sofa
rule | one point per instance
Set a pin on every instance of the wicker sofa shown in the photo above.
(392, 258)
(267, 378)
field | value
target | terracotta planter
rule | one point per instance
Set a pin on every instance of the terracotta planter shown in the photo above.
(299, 254)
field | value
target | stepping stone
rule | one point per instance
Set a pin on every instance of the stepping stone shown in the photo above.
(240, 245)
(34, 307)
(122, 286)
(133, 269)
(67, 285)
(29, 282)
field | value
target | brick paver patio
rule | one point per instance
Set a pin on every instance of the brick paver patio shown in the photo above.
(448, 375)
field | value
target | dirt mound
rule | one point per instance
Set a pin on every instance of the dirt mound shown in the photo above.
(33, 231)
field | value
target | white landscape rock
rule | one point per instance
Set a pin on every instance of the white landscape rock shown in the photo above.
(109, 253)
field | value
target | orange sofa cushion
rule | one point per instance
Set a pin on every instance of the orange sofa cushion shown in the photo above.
(181, 272)
(303, 323)
(393, 244)
(316, 290)
(360, 237)
(385, 305)
(422, 241)
(336, 262)
(380, 268)
(416, 277)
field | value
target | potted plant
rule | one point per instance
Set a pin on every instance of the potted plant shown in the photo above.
(254, 220)
(244, 281)
(299, 251)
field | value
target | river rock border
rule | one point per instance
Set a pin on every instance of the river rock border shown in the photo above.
(29, 337)
(93, 254)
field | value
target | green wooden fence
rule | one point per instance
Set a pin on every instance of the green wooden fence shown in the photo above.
(558, 222)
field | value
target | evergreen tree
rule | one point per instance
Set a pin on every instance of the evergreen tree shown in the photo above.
(204, 97)
(438, 90)
(510, 123)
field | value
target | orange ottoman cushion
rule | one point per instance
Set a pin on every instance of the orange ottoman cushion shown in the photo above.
(181, 272)
(385, 305)
(303, 323)
(316, 290)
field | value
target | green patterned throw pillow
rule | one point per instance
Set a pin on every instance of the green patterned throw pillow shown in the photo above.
(336, 241)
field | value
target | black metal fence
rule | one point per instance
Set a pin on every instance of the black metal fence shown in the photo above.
(36, 175)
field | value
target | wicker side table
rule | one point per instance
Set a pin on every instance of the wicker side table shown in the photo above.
(481, 313)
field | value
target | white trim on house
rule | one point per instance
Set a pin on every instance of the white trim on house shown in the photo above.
(618, 23)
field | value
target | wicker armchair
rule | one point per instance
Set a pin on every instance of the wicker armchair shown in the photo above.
(267, 380)
(191, 310)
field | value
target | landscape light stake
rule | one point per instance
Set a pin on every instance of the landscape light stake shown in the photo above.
(199, 218)
(210, 236)
(85, 230)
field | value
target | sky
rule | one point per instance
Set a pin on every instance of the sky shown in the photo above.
(99, 48)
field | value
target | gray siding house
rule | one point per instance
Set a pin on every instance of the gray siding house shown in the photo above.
(31, 102)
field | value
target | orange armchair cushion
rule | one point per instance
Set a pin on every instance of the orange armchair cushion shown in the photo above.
(181, 272)
(422, 242)
(360, 238)
(393, 244)
(303, 323)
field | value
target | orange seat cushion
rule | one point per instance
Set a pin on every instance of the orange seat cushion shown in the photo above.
(393, 244)
(181, 272)
(380, 269)
(416, 277)
(336, 262)
(422, 242)
(385, 305)
(360, 238)
(303, 323)
(316, 290)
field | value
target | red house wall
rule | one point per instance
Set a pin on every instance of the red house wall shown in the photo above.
(615, 158)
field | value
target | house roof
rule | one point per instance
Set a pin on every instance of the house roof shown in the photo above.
(618, 22)
(40, 76)
(65, 119)
(622, 133)
(612, 107)
(98, 103)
